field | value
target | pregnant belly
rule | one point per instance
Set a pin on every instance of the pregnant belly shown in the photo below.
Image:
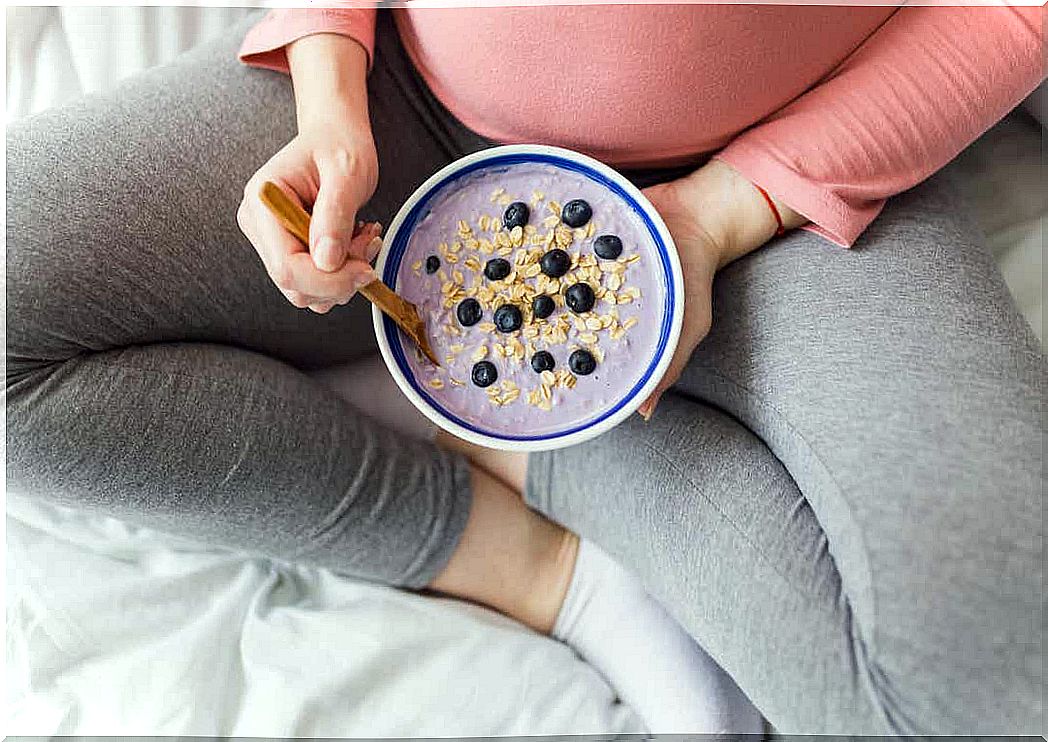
(629, 84)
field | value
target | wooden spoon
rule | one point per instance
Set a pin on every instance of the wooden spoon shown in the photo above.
(403, 312)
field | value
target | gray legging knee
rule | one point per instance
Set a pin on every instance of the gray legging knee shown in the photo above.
(154, 372)
(844, 496)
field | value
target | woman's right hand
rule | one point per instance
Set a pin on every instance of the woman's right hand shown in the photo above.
(331, 169)
(333, 179)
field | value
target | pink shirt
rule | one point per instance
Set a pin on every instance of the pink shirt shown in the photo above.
(831, 109)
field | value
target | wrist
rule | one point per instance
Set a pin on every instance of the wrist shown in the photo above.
(329, 75)
(732, 212)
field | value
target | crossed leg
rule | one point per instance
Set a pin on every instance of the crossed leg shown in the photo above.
(842, 499)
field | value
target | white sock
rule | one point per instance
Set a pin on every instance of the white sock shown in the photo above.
(645, 655)
(607, 617)
(367, 385)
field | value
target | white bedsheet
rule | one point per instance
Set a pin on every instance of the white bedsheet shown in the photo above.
(57, 53)
(120, 630)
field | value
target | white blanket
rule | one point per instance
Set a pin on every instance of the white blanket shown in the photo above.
(120, 630)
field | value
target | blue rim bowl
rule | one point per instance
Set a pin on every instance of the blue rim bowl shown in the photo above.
(392, 343)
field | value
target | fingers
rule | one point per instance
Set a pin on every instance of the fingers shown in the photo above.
(351, 276)
(334, 233)
(693, 330)
(271, 241)
(370, 251)
(365, 244)
(323, 286)
(293, 270)
(334, 217)
(370, 240)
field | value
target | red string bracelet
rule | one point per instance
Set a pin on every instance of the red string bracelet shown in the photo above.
(771, 205)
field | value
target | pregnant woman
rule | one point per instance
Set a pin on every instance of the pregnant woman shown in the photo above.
(838, 486)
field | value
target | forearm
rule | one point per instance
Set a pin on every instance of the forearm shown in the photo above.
(906, 102)
(329, 73)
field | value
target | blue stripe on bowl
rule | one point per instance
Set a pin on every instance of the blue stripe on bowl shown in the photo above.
(407, 228)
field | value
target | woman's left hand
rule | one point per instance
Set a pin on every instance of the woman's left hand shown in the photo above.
(715, 216)
(699, 257)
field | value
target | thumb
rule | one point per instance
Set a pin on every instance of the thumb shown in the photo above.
(334, 216)
(676, 368)
(691, 335)
(360, 274)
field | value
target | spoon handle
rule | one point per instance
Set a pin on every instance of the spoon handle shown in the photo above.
(296, 220)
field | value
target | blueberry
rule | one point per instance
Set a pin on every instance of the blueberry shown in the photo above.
(581, 362)
(542, 306)
(542, 361)
(469, 312)
(508, 318)
(579, 298)
(555, 263)
(484, 373)
(576, 213)
(432, 264)
(516, 215)
(497, 269)
(607, 246)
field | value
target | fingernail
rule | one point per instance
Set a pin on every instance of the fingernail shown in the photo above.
(363, 279)
(329, 254)
(373, 248)
(647, 409)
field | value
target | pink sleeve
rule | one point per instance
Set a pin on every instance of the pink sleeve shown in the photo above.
(918, 91)
(264, 45)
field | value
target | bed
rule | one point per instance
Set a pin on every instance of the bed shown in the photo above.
(113, 629)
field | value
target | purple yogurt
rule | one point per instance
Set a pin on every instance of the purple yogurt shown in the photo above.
(630, 306)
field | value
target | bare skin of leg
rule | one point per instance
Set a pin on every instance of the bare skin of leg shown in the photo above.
(509, 557)
(510, 468)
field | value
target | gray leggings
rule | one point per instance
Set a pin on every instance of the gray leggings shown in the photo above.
(842, 500)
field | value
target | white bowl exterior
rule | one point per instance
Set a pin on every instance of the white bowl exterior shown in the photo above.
(554, 441)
